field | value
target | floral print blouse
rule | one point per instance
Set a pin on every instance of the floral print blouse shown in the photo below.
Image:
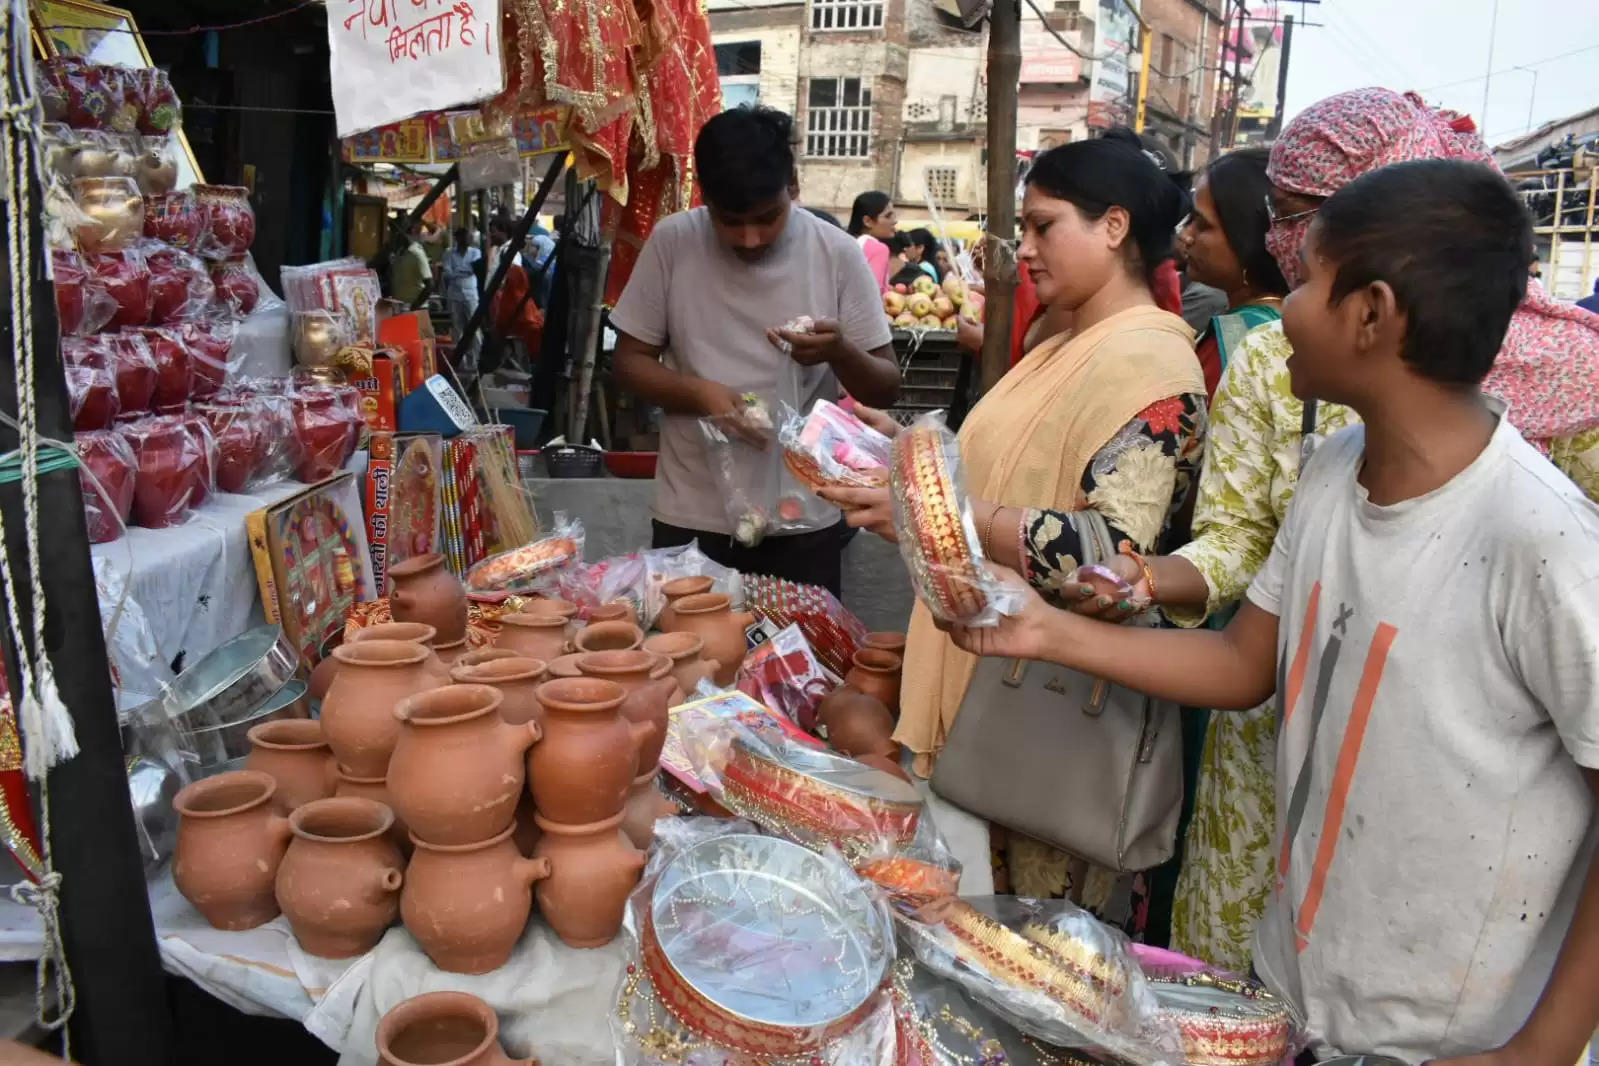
(1253, 466)
(1137, 482)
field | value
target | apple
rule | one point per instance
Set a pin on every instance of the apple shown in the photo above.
(893, 303)
(930, 321)
(902, 289)
(949, 322)
(943, 306)
(920, 305)
(905, 320)
(925, 285)
(972, 309)
(954, 288)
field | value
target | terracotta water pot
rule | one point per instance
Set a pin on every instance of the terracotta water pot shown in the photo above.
(710, 615)
(419, 633)
(615, 611)
(608, 636)
(685, 651)
(230, 842)
(339, 884)
(675, 590)
(458, 768)
(565, 666)
(646, 804)
(426, 591)
(592, 869)
(533, 635)
(478, 656)
(296, 754)
(648, 692)
(894, 642)
(547, 605)
(857, 723)
(443, 1029)
(516, 679)
(877, 673)
(377, 790)
(358, 712)
(450, 652)
(581, 770)
(467, 904)
(526, 833)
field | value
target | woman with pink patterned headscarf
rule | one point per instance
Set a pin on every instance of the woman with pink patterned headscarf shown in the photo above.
(1547, 372)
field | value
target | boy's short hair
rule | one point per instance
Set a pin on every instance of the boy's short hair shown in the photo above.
(1452, 240)
(745, 157)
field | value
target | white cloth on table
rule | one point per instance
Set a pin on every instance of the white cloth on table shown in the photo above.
(967, 837)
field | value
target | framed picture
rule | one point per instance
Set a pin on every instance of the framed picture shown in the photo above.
(100, 34)
(365, 225)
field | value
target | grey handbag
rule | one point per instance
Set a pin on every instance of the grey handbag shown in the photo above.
(1083, 765)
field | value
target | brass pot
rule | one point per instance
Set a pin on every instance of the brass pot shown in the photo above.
(318, 336)
(113, 213)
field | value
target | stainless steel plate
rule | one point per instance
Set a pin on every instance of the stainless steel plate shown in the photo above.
(771, 932)
(233, 680)
(222, 743)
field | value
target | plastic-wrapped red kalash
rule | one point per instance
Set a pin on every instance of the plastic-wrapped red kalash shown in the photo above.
(229, 220)
(126, 278)
(83, 305)
(107, 455)
(180, 288)
(199, 431)
(174, 375)
(170, 470)
(268, 399)
(91, 382)
(236, 283)
(326, 427)
(210, 344)
(238, 426)
(174, 219)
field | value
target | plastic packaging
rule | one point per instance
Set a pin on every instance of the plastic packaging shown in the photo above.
(91, 382)
(832, 631)
(110, 213)
(174, 374)
(125, 277)
(237, 283)
(326, 426)
(228, 229)
(937, 536)
(173, 219)
(87, 95)
(275, 424)
(237, 427)
(159, 109)
(347, 285)
(525, 570)
(199, 430)
(746, 479)
(83, 305)
(107, 455)
(210, 344)
(667, 564)
(785, 675)
(170, 470)
(1051, 970)
(155, 165)
(831, 448)
(180, 288)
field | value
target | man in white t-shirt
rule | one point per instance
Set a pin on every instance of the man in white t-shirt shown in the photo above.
(710, 289)
(1429, 621)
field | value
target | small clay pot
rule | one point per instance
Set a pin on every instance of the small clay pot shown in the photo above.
(646, 804)
(648, 689)
(443, 1029)
(467, 904)
(615, 611)
(580, 772)
(533, 635)
(684, 650)
(566, 666)
(711, 616)
(592, 868)
(856, 722)
(358, 713)
(675, 590)
(426, 591)
(516, 679)
(230, 843)
(485, 655)
(545, 605)
(296, 754)
(375, 789)
(339, 884)
(877, 673)
(450, 653)
(458, 768)
(409, 632)
(609, 636)
(894, 642)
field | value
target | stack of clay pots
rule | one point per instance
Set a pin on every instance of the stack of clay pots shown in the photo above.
(859, 716)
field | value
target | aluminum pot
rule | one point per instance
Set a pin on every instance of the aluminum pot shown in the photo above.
(234, 680)
(227, 743)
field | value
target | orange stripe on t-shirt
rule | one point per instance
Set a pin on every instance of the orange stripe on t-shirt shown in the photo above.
(1296, 672)
(1344, 776)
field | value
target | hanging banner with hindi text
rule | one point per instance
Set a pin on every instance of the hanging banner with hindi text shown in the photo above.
(396, 58)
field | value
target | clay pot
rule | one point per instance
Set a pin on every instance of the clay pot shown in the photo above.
(450, 653)
(615, 611)
(609, 636)
(565, 666)
(418, 633)
(545, 605)
(296, 754)
(526, 833)
(857, 723)
(458, 768)
(479, 656)
(467, 904)
(533, 636)
(377, 790)
(516, 679)
(894, 642)
(877, 673)
(710, 615)
(675, 590)
(448, 1028)
(358, 712)
(339, 885)
(648, 693)
(426, 591)
(646, 804)
(581, 770)
(684, 651)
(592, 869)
(230, 842)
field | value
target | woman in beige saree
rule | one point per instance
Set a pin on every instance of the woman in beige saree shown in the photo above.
(1105, 424)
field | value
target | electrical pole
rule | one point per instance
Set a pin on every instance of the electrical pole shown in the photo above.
(1488, 74)
(1238, 79)
(999, 263)
(1276, 125)
(1143, 79)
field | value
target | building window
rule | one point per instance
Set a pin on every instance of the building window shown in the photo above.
(738, 66)
(846, 14)
(940, 183)
(838, 119)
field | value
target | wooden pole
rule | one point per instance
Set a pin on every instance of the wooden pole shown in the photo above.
(999, 264)
(1276, 125)
(1142, 113)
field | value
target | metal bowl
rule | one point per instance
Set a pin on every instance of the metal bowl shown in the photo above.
(777, 947)
(152, 787)
(235, 679)
(222, 743)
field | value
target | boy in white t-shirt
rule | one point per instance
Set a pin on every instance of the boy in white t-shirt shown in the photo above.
(1429, 621)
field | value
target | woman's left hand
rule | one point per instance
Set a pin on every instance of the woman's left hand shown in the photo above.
(868, 509)
(1021, 635)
